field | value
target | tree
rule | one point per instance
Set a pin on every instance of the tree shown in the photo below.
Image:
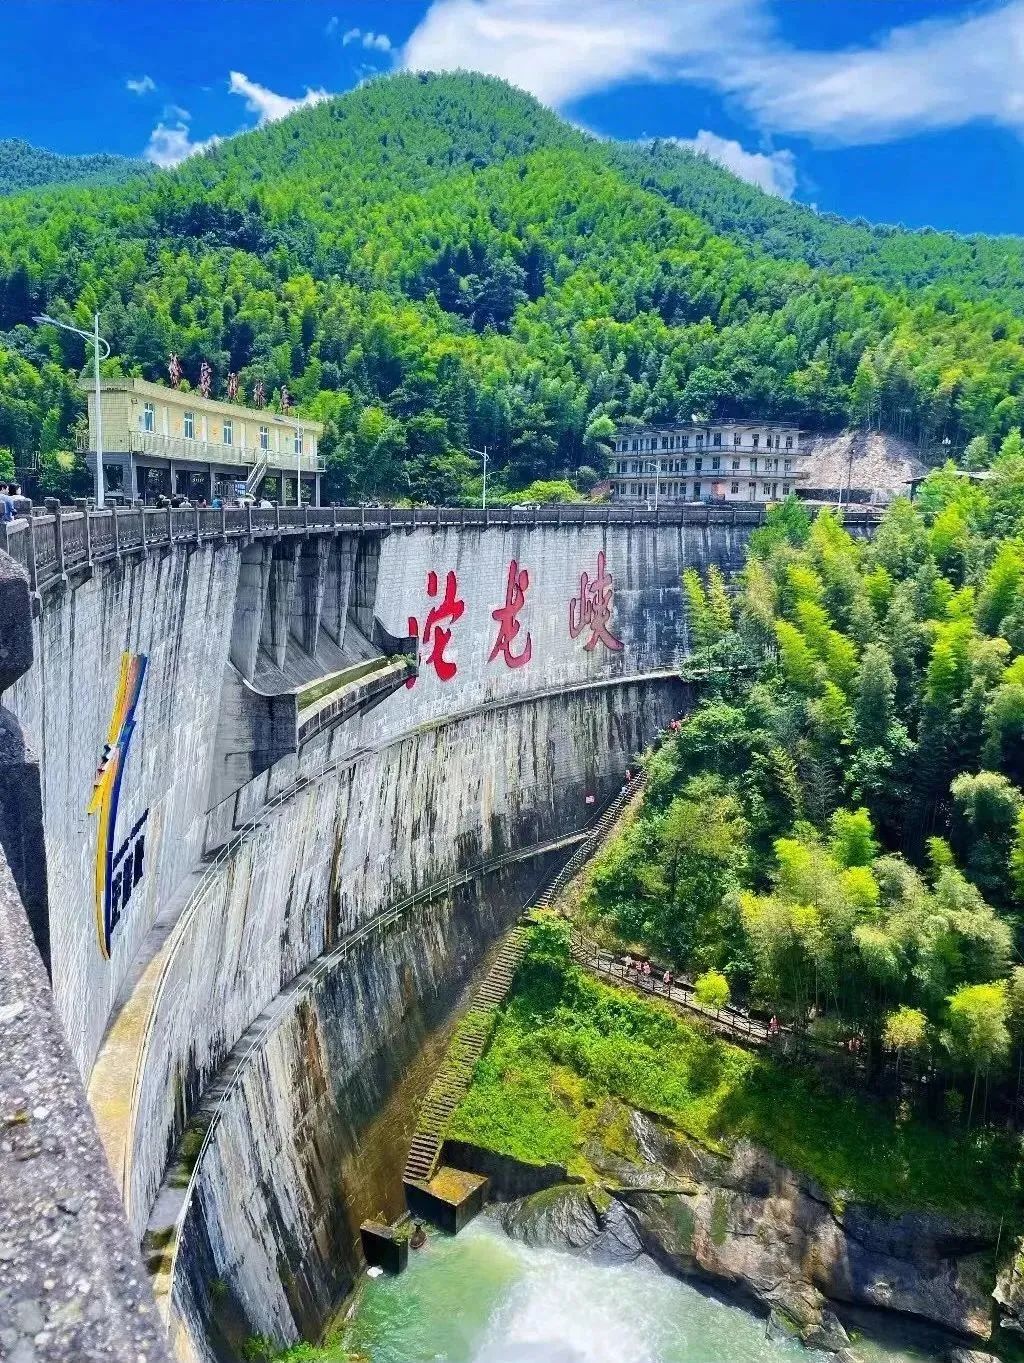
(986, 811)
(876, 695)
(853, 839)
(977, 1036)
(711, 989)
(905, 1031)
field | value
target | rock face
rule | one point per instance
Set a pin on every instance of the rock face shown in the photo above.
(754, 1227)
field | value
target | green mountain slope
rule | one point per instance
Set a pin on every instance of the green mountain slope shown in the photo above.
(978, 266)
(434, 262)
(23, 166)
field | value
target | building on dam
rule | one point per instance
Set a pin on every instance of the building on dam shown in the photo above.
(693, 461)
(160, 441)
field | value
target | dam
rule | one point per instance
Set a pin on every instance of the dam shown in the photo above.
(274, 783)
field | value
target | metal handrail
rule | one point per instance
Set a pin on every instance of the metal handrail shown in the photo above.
(90, 537)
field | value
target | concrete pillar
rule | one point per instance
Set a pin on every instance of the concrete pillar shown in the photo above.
(21, 796)
(316, 491)
(308, 600)
(281, 590)
(250, 605)
(338, 588)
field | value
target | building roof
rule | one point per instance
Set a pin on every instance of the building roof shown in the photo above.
(195, 401)
(745, 423)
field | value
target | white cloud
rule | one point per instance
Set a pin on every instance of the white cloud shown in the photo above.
(774, 171)
(268, 105)
(141, 85)
(169, 144)
(332, 25)
(379, 42)
(932, 74)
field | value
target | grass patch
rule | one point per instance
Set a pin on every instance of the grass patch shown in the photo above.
(566, 1044)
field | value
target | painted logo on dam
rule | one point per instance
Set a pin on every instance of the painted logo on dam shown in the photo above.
(118, 868)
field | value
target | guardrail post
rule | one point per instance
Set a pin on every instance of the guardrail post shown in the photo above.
(277, 517)
(88, 537)
(362, 518)
(223, 521)
(170, 524)
(142, 527)
(334, 514)
(58, 533)
(437, 517)
(305, 519)
(33, 576)
(248, 519)
(117, 536)
(199, 529)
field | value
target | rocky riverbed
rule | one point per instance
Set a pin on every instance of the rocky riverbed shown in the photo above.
(750, 1227)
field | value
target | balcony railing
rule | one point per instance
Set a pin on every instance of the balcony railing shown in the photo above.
(211, 452)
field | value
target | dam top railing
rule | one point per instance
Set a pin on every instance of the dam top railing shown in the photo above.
(51, 547)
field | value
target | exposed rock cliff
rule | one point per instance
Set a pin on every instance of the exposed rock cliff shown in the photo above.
(751, 1226)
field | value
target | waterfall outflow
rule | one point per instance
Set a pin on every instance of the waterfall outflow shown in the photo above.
(484, 1298)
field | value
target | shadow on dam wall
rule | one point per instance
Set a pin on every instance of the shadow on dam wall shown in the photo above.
(228, 989)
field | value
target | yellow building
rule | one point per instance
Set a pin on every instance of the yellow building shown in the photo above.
(161, 441)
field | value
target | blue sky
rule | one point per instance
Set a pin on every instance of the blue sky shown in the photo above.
(897, 110)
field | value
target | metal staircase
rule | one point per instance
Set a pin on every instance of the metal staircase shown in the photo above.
(256, 477)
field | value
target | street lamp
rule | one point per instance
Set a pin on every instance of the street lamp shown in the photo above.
(483, 455)
(95, 340)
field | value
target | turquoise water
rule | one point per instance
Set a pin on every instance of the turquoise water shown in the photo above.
(483, 1298)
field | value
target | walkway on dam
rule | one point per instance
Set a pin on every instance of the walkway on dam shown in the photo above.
(51, 547)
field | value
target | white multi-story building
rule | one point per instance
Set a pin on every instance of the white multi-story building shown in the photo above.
(689, 461)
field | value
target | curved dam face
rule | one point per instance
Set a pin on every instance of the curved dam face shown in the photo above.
(276, 855)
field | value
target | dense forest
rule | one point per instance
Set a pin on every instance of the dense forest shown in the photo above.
(979, 267)
(838, 828)
(432, 263)
(23, 166)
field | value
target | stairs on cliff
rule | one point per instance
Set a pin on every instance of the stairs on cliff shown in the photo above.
(474, 1031)
(464, 1050)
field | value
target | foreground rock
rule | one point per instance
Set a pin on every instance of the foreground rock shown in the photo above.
(748, 1224)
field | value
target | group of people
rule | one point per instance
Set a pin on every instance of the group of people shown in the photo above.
(644, 969)
(12, 503)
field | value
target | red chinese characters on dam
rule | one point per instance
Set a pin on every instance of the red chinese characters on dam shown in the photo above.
(435, 636)
(507, 616)
(591, 608)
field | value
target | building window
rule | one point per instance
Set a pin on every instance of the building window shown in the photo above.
(636, 446)
(685, 466)
(190, 425)
(298, 441)
(228, 431)
(718, 438)
(148, 417)
(686, 442)
(754, 439)
(716, 464)
(700, 442)
(698, 464)
(696, 491)
(766, 489)
(768, 442)
(737, 440)
(664, 442)
(265, 441)
(734, 488)
(785, 489)
(789, 442)
(735, 466)
(753, 466)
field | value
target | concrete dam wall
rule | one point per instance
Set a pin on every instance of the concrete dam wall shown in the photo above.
(268, 882)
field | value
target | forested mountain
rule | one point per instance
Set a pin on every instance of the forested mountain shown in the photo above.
(978, 266)
(434, 262)
(23, 166)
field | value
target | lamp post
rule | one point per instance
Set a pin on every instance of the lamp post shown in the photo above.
(483, 455)
(95, 340)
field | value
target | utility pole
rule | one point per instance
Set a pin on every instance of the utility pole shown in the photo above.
(483, 455)
(95, 340)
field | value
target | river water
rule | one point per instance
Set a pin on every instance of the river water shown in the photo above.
(483, 1298)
